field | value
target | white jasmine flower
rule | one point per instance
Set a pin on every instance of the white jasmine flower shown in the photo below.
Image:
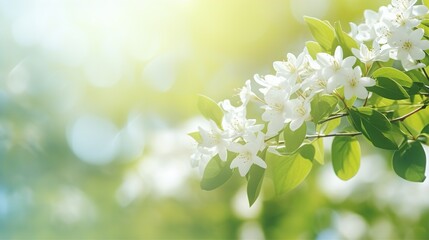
(274, 114)
(298, 111)
(354, 84)
(334, 66)
(290, 68)
(369, 56)
(201, 158)
(246, 94)
(236, 123)
(215, 139)
(318, 82)
(247, 155)
(408, 46)
(271, 82)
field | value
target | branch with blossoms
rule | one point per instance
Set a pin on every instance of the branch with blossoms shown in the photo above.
(370, 82)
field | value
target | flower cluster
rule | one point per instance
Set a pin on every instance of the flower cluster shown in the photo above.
(392, 33)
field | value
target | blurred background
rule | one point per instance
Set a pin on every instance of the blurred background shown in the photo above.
(96, 98)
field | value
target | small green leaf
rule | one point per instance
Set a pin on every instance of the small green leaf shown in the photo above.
(313, 48)
(417, 76)
(329, 126)
(345, 40)
(290, 170)
(322, 32)
(375, 127)
(210, 110)
(319, 155)
(294, 139)
(345, 156)
(395, 74)
(389, 88)
(217, 172)
(322, 106)
(409, 162)
(255, 179)
(196, 136)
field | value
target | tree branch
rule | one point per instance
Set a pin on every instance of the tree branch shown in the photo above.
(402, 118)
(333, 117)
(347, 134)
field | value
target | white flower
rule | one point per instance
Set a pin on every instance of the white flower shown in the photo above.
(201, 158)
(216, 139)
(318, 82)
(247, 155)
(408, 46)
(236, 123)
(298, 111)
(290, 68)
(354, 84)
(369, 56)
(274, 110)
(334, 66)
(246, 94)
(271, 82)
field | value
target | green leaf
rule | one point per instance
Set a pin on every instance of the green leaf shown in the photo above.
(322, 32)
(196, 136)
(329, 126)
(217, 172)
(345, 156)
(322, 106)
(313, 48)
(409, 162)
(255, 179)
(424, 135)
(389, 88)
(345, 40)
(290, 170)
(210, 110)
(319, 154)
(395, 74)
(374, 126)
(294, 139)
(417, 76)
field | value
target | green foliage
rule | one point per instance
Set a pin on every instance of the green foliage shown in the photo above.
(389, 88)
(217, 172)
(290, 170)
(417, 76)
(329, 126)
(345, 156)
(344, 40)
(319, 155)
(374, 126)
(322, 32)
(196, 136)
(210, 110)
(393, 73)
(409, 162)
(254, 184)
(294, 139)
(313, 48)
(322, 106)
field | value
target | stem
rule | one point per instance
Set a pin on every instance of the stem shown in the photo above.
(342, 99)
(402, 118)
(351, 134)
(333, 117)
(408, 130)
(424, 72)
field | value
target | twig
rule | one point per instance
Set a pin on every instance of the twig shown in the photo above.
(402, 118)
